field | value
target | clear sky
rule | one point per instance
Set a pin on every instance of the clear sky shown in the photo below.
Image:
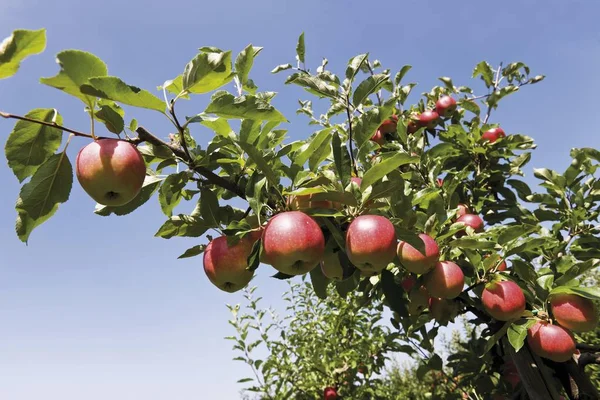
(97, 308)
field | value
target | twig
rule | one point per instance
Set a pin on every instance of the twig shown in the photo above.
(378, 93)
(496, 84)
(352, 160)
(588, 358)
(181, 132)
(50, 124)
(588, 347)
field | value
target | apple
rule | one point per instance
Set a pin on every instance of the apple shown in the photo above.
(445, 280)
(331, 266)
(378, 137)
(574, 312)
(329, 393)
(413, 260)
(428, 119)
(551, 341)
(472, 220)
(445, 106)
(389, 125)
(111, 171)
(293, 243)
(419, 300)
(502, 266)
(440, 182)
(412, 127)
(503, 300)
(225, 265)
(511, 374)
(371, 242)
(461, 210)
(306, 202)
(408, 283)
(493, 134)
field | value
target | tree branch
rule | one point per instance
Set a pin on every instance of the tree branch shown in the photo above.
(588, 347)
(181, 131)
(496, 84)
(352, 160)
(50, 124)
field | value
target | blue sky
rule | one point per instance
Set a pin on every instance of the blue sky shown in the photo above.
(97, 308)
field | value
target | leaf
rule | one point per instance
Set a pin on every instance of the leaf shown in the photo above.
(112, 117)
(244, 62)
(226, 105)
(249, 130)
(495, 338)
(281, 67)
(256, 156)
(169, 194)
(367, 87)
(313, 84)
(29, 145)
(300, 48)
(472, 243)
(354, 66)
(380, 170)
(207, 71)
(392, 292)
(314, 144)
(484, 70)
(282, 276)
(209, 208)
(193, 251)
(255, 256)
(182, 225)
(592, 293)
(151, 184)
(17, 47)
(401, 73)
(368, 122)
(470, 105)
(517, 332)
(113, 88)
(341, 158)
(38, 200)
(319, 282)
(76, 68)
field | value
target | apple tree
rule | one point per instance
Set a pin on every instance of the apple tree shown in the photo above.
(418, 204)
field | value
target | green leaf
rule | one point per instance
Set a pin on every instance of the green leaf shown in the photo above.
(208, 71)
(113, 88)
(112, 117)
(392, 292)
(182, 225)
(244, 62)
(366, 125)
(470, 105)
(169, 194)
(319, 282)
(354, 66)
(314, 144)
(300, 48)
(193, 251)
(517, 332)
(256, 156)
(367, 87)
(484, 70)
(226, 105)
(209, 208)
(38, 200)
(472, 243)
(401, 73)
(281, 67)
(313, 84)
(250, 130)
(341, 158)
(380, 170)
(29, 145)
(151, 184)
(592, 293)
(495, 338)
(255, 255)
(17, 47)
(76, 68)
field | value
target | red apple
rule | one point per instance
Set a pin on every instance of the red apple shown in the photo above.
(411, 127)
(415, 261)
(462, 210)
(378, 137)
(472, 220)
(389, 125)
(493, 134)
(445, 106)
(440, 182)
(511, 374)
(111, 171)
(331, 266)
(502, 266)
(371, 242)
(551, 341)
(226, 265)
(428, 119)
(574, 312)
(329, 393)
(503, 300)
(408, 283)
(445, 280)
(293, 243)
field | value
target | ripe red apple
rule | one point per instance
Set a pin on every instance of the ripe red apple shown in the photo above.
(462, 210)
(331, 266)
(445, 280)
(389, 125)
(493, 134)
(503, 300)
(226, 265)
(472, 220)
(511, 374)
(293, 243)
(378, 137)
(445, 106)
(412, 127)
(574, 312)
(329, 393)
(371, 242)
(408, 283)
(440, 182)
(415, 261)
(428, 119)
(111, 171)
(551, 341)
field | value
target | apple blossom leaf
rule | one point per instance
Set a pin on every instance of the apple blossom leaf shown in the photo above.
(495, 338)
(281, 67)
(170, 192)
(255, 256)
(76, 68)
(207, 71)
(174, 86)
(517, 332)
(320, 154)
(366, 124)
(367, 87)
(301, 49)
(209, 208)
(319, 282)
(151, 184)
(312, 84)
(313, 143)
(393, 294)
(38, 200)
(182, 225)
(336, 233)
(193, 251)
(244, 62)
(250, 106)
(256, 156)
(576, 270)
(484, 70)
(29, 145)
(113, 88)
(112, 117)
(378, 171)
(21, 44)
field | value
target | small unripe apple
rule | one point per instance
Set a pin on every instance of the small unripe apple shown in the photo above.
(574, 312)
(331, 266)
(445, 106)
(414, 260)
(493, 134)
(293, 243)
(225, 266)
(551, 341)
(111, 171)
(428, 119)
(445, 280)
(462, 210)
(371, 242)
(472, 220)
(503, 300)
(408, 283)
(330, 393)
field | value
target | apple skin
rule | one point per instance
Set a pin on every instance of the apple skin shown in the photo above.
(551, 341)
(293, 243)
(389, 125)
(493, 134)
(378, 137)
(225, 266)
(331, 267)
(445, 106)
(428, 119)
(412, 127)
(111, 171)
(503, 300)
(330, 393)
(462, 210)
(371, 242)
(511, 374)
(415, 261)
(472, 220)
(502, 266)
(408, 283)
(574, 312)
(446, 280)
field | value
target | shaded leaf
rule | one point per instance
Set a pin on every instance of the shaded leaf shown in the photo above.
(21, 44)
(113, 88)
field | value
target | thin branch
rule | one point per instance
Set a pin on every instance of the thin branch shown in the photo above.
(589, 358)
(496, 84)
(50, 124)
(588, 347)
(352, 160)
(181, 131)
(378, 93)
